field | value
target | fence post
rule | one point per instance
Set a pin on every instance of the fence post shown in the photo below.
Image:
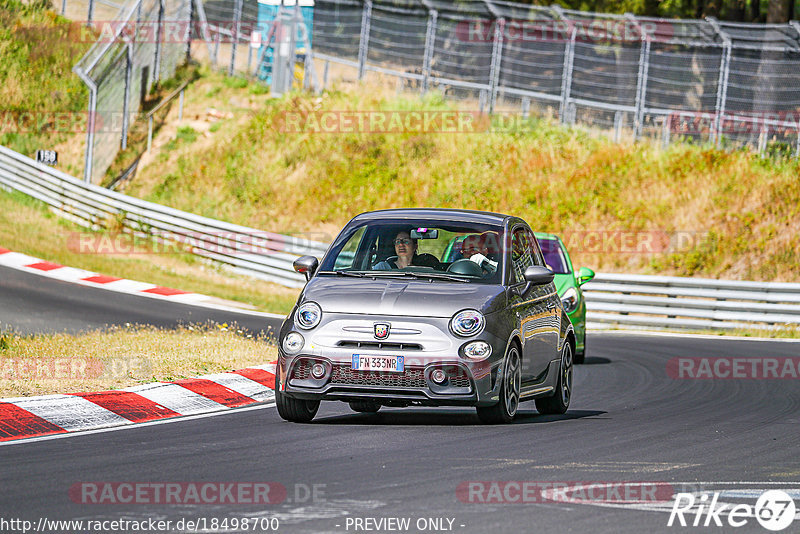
(159, 36)
(126, 103)
(566, 75)
(526, 107)
(722, 81)
(641, 88)
(430, 44)
(497, 57)
(665, 131)
(237, 23)
(90, 13)
(762, 139)
(797, 142)
(63, 7)
(617, 126)
(363, 43)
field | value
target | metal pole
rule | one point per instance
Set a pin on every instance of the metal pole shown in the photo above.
(180, 105)
(617, 126)
(566, 76)
(641, 88)
(325, 74)
(126, 103)
(63, 7)
(430, 45)
(159, 35)
(237, 15)
(87, 169)
(90, 13)
(526, 107)
(665, 131)
(797, 144)
(149, 132)
(722, 81)
(363, 44)
(497, 57)
(762, 139)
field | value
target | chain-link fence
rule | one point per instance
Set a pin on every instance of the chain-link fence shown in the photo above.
(726, 83)
(144, 42)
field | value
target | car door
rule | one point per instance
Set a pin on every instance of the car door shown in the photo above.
(552, 305)
(529, 308)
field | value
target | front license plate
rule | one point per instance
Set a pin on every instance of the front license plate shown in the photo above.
(367, 362)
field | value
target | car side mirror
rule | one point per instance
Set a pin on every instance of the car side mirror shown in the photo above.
(306, 265)
(584, 275)
(538, 275)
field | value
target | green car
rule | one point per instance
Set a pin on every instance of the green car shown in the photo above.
(568, 284)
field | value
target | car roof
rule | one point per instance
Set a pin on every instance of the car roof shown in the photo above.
(546, 235)
(440, 213)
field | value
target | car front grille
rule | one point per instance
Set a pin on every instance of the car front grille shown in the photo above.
(379, 345)
(412, 377)
(302, 369)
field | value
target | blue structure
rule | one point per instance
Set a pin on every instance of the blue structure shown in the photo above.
(267, 13)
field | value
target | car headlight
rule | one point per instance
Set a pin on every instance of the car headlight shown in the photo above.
(467, 323)
(292, 343)
(477, 350)
(308, 315)
(570, 300)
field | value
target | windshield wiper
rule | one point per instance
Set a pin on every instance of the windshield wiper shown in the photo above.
(357, 274)
(418, 275)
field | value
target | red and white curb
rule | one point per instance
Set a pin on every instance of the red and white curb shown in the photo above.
(23, 262)
(28, 417)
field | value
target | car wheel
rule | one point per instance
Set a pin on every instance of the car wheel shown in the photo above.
(364, 406)
(580, 357)
(505, 410)
(559, 403)
(294, 410)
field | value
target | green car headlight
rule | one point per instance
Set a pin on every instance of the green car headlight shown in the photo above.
(570, 300)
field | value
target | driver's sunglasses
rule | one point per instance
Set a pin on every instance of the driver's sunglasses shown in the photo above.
(402, 241)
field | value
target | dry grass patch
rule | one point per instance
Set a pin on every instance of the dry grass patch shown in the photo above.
(122, 357)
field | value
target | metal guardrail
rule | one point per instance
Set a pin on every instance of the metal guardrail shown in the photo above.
(622, 299)
(701, 303)
(257, 253)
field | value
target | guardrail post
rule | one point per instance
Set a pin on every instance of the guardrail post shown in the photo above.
(363, 43)
(497, 57)
(566, 76)
(430, 45)
(237, 23)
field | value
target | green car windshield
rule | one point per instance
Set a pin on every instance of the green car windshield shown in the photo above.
(437, 249)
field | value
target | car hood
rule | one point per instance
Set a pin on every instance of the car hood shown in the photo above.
(395, 296)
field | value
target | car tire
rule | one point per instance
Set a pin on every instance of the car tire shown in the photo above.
(559, 403)
(294, 410)
(505, 410)
(364, 406)
(580, 357)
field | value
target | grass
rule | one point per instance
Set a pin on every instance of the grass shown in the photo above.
(123, 357)
(27, 226)
(730, 215)
(37, 51)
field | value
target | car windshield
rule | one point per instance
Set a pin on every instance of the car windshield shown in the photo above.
(425, 249)
(554, 255)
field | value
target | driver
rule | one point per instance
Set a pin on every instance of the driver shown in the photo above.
(406, 250)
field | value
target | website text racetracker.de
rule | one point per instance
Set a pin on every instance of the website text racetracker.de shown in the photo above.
(102, 526)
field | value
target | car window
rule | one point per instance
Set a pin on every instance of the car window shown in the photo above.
(347, 257)
(522, 254)
(554, 255)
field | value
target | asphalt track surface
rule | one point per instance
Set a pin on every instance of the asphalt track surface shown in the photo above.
(629, 421)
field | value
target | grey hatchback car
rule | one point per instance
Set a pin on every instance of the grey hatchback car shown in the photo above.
(427, 307)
